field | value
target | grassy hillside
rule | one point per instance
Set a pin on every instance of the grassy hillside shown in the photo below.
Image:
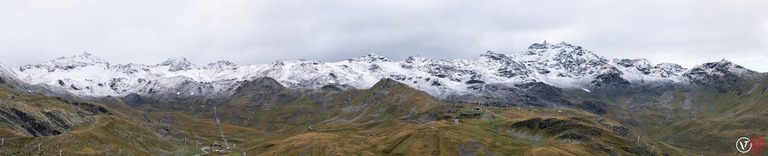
(391, 118)
(34, 124)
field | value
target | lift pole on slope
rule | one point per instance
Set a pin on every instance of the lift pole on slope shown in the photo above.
(218, 123)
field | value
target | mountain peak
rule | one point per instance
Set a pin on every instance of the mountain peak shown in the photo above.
(545, 45)
(385, 85)
(724, 61)
(722, 75)
(67, 63)
(721, 67)
(85, 57)
(717, 70)
(552, 50)
(416, 59)
(177, 64)
(222, 65)
(494, 55)
(644, 63)
(563, 60)
(370, 57)
(722, 64)
(386, 82)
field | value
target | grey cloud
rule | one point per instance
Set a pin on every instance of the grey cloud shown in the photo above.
(251, 32)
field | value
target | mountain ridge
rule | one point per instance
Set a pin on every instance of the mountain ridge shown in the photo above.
(562, 65)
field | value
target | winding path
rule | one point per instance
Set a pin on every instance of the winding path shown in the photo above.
(203, 149)
(94, 124)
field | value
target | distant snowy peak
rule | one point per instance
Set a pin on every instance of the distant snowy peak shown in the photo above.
(547, 50)
(177, 64)
(417, 60)
(495, 57)
(221, 65)
(370, 57)
(563, 60)
(721, 75)
(639, 63)
(644, 67)
(720, 69)
(68, 63)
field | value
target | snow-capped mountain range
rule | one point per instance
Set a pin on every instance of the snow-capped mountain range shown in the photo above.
(562, 65)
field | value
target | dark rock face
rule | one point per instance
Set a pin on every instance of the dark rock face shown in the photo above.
(620, 130)
(266, 92)
(530, 123)
(475, 82)
(562, 129)
(384, 85)
(595, 107)
(46, 119)
(540, 88)
(91, 108)
(29, 124)
(332, 87)
(134, 100)
(610, 79)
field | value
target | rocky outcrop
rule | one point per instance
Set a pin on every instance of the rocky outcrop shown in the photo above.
(610, 80)
(265, 92)
(46, 116)
(723, 76)
(177, 64)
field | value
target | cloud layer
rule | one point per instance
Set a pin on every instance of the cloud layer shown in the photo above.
(250, 32)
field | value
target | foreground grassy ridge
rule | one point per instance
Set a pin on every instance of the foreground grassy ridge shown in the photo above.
(81, 129)
(693, 119)
(394, 119)
(485, 135)
(723, 118)
(108, 135)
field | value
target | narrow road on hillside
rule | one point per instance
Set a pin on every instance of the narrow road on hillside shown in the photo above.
(203, 149)
(94, 124)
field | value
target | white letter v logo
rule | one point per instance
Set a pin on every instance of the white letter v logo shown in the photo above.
(744, 144)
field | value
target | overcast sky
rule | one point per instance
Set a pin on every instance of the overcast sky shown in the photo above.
(255, 32)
